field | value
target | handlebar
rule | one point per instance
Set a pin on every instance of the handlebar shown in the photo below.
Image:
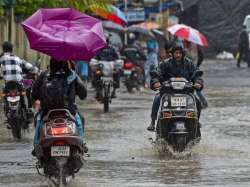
(167, 84)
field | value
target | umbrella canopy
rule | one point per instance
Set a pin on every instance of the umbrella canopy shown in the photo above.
(188, 33)
(113, 26)
(147, 25)
(158, 32)
(111, 13)
(140, 30)
(64, 34)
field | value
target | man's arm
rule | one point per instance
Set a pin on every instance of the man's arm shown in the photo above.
(115, 54)
(29, 67)
(81, 91)
(160, 75)
(36, 89)
(197, 80)
(142, 55)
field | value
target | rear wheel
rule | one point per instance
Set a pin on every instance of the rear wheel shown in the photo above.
(129, 88)
(129, 83)
(16, 129)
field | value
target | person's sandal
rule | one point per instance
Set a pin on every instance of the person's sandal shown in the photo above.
(151, 127)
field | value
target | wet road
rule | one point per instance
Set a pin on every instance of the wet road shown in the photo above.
(121, 153)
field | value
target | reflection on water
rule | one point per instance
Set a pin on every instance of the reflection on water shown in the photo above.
(121, 153)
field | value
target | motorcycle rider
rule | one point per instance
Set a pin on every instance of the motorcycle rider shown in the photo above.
(136, 55)
(109, 54)
(72, 86)
(133, 53)
(12, 69)
(177, 66)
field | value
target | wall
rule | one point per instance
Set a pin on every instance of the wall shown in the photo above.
(21, 45)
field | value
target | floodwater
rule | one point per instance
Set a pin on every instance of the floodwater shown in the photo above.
(121, 153)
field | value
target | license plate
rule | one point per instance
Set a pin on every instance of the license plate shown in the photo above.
(178, 101)
(127, 72)
(107, 79)
(60, 151)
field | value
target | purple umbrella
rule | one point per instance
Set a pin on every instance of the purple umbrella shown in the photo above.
(65, 34)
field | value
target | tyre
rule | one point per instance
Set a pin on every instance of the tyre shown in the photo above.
(106, 99)
(129, 88)
(106, 104)
(180, 143)
(16, 129)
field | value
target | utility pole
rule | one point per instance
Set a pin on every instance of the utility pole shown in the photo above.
(126, 15)
(161, 12)
(11, 24)
(9, 9)
(164, 18)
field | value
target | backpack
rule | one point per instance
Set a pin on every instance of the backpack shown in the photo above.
(55, 91)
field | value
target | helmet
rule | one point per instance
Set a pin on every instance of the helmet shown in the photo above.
(7, 47)
(177, 47)
(131, 36)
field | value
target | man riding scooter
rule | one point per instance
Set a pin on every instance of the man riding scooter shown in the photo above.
(57, 88)
(177, 66)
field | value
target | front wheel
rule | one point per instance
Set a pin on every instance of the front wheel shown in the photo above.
(106, 98)
(106, 104)
(180, 143)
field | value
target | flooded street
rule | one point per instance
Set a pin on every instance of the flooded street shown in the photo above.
(121, 153)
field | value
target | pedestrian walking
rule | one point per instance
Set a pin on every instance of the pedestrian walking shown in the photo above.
(243, 47)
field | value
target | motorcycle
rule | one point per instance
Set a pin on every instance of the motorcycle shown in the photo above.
(60, 151)
(103, 80)
(28, 81)
(178, 122)
(17, 116)
(132, 76)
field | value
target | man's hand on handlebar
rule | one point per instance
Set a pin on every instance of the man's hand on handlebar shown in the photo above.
(157, 85)
(197, 86)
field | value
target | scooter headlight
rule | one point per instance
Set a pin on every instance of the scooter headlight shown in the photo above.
(178, 85)
(165, 104)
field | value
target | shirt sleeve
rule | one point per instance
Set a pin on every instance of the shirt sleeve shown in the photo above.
(81, 91)
(36, 89)
(29, 66)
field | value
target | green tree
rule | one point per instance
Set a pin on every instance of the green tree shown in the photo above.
(27, 7)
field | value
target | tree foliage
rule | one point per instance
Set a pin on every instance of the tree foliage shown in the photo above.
(27, 7)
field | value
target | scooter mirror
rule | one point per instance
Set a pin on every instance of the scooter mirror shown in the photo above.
(198, 73)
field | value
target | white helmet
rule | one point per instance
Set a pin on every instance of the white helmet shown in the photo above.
(131, 36)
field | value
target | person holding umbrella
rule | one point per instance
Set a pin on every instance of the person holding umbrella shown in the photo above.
(66, 35)
(52, 85)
